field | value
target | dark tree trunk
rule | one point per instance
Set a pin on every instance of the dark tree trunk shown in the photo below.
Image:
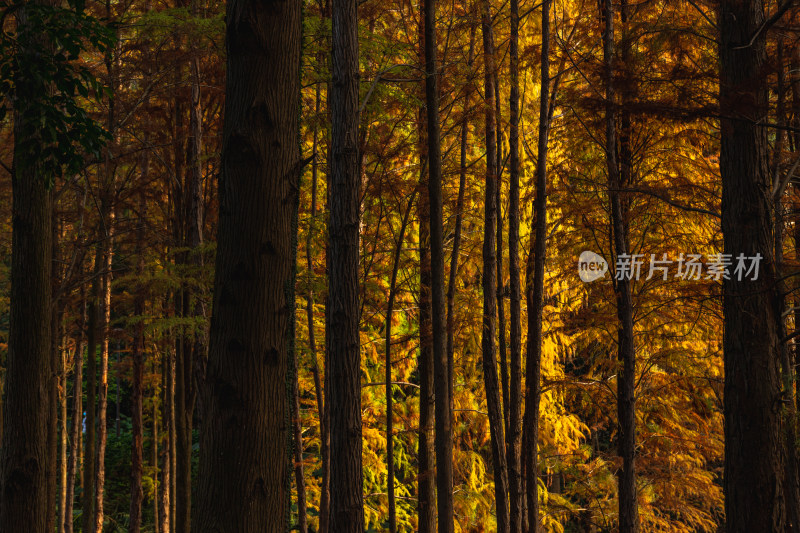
(441, 369)
(618, 174)
(244, 477)
(343, 372)
(490, 310)
(324, 504)
(754, 442)
(87, 508)
(77, 415)
(388, 362)
(426, 455)
(514, 428)
(137, 354)
(534, 291)
(23, 454)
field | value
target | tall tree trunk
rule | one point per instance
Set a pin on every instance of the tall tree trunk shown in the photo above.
(77, 415)
(87, 508)
(534, 290)
(102, 386)
(244, 479)
(441, 369)
(754, 455)
(137, 354)
(490, 311)
(23, 459)
(55, 379)
(64, 430)
(388, 363)
(426, 478)
(343, 372)
(618, 175)
(514, 428)
(168, 462)
(462, 185)
(324, 504)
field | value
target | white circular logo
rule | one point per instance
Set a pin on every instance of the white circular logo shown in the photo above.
(591, 266)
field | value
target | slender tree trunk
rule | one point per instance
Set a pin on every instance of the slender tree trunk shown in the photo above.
(62, 463)
(102, 386)
(244, 482)
(754, 454)
(426, 478)
(137, 354)
(77, 416)
(618, 174)
(55, 378)
(168, 461)
(89, 454)
(490, 284)
(324, 505)
(388, 362)
(442, 373)
(534, 291)
(462, 185)
(514, 428)
(23, 454)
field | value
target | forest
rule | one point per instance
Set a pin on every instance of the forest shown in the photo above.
(347, 266)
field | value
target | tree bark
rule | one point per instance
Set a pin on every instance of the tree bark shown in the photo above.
(426, 477)
(514, 428)
(23, 454)
(77, 415)
(534, 291)
(490, 309)
(87, 509)
(244, 479)
(137, 354)
(754, 454)
(343, 373)
(442, 373)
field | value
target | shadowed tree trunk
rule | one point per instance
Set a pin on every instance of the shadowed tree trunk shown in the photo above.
(244, 478)
(534, 290)
(443, 440)
(514, 428)
(754, 455)
(77, 414)
(23, 454)
(137, 354)
(343, 370)
(490, 284)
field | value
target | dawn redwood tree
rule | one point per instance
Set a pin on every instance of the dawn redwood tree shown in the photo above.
(490, 293)
(244, 483)
(618, 163)
(443, 439)
(754, 455)
(23, 454)
(343, 369)
(534, 290)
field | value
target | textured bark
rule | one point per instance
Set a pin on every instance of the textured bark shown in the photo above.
(514, 428)
(343, 372)
(426, 455)
(618, 175)
(167, 469)
(244, 477)
(55, 381)
(534, 290)
(754, 454)
(443, 439)
(490, 308)
(23, 454)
